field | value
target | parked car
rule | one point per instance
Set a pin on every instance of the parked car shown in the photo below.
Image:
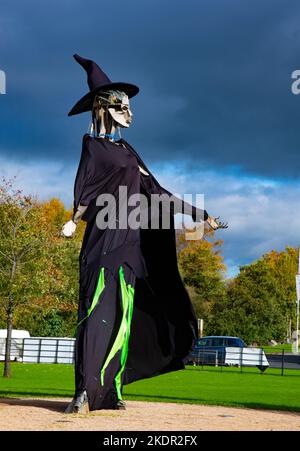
(226, 350)
(219, 340)
(210, 350)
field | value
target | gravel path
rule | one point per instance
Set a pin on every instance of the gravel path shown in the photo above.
(40, 414)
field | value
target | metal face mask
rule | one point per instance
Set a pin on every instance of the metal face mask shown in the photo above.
(119, 108)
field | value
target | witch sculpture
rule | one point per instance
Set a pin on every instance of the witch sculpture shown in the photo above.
(135, 317)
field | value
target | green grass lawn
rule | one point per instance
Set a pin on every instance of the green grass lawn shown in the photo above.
(210, 386)
(277, 348)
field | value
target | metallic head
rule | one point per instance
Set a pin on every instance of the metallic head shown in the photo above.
(117, 104)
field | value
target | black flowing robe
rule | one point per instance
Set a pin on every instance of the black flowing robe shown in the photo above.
(163, 324)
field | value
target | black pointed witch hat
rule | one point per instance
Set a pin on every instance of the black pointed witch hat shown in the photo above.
(97, 81)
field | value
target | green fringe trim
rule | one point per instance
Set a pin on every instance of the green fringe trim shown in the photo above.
(99, 288)
(122, 338)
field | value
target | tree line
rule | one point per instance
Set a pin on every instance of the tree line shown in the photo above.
(258, 304)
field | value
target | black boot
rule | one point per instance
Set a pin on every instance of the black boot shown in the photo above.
(117, 404)
(79, 404)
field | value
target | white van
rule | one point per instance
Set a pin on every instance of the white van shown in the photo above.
(16, 349)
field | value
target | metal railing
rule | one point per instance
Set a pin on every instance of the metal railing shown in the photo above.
(40, 349)
(244, 358)
(62, 350)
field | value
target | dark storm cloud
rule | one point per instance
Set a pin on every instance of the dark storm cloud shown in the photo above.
(214, 78)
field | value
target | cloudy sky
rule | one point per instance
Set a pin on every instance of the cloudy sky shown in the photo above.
(215, 113)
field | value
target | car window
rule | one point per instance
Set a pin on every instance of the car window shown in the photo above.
(234, 342)
(219, 341)
(216, 342)
(231, 342)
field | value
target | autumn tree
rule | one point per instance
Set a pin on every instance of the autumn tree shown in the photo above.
(54, 312)
(283, 267)
(202, 268)
(23, 240)
(260, 300)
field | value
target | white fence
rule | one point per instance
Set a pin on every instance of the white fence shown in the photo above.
(229, 356)
(16, 349)
(40, 349)
(246, 357)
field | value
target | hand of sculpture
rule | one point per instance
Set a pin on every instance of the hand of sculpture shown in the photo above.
(215, 224)
(68, 229)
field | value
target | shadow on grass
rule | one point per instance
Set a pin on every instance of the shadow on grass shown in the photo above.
(249, 405)
(53, 405)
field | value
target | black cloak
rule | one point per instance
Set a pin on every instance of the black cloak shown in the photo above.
(163, 324)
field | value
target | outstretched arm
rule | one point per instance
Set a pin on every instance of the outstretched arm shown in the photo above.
(180, 206)
(197, 214)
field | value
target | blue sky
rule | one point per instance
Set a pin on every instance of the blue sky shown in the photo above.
(215, 113)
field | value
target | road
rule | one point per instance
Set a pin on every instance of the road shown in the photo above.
(289, 360)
